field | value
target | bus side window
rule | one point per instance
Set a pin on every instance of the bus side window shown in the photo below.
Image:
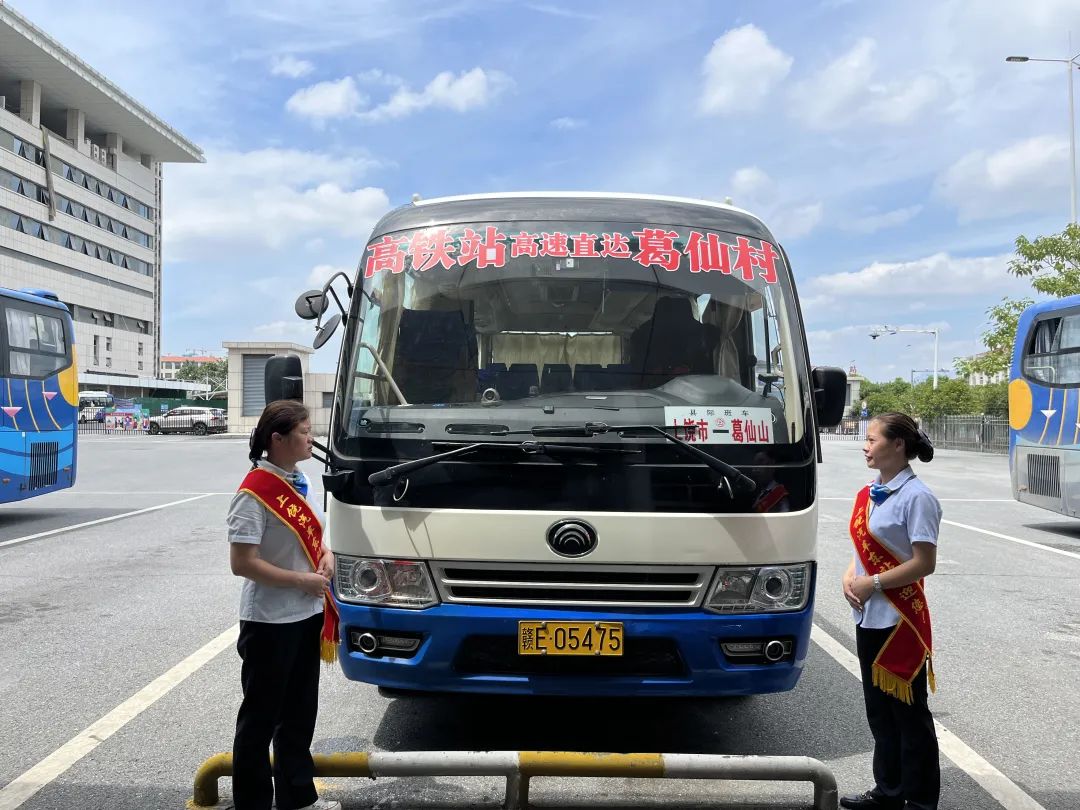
(36, 344)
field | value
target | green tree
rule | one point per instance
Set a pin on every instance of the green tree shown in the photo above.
(890, 396)
(998, 339)
(993, 399)
(1052, 264)
(215, 373)
(951, 397)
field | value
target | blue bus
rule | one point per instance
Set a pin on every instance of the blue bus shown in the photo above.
(1044, 406)
(39, 397)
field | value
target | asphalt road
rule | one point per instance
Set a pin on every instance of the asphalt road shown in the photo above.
(89, 617)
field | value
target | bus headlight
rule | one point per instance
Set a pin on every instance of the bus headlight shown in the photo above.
(384, 583)
(761, 589)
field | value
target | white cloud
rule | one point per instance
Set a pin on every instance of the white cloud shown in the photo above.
(1026, 176)
(788, 218)
(243, 203)
(872, 223)
(295, 330)
(325, 100)
(939, 281)
(740, 70)
(567, 123)
(290, 66)
(321, 273)
(796, 222)
(845, 91)
(472, 89)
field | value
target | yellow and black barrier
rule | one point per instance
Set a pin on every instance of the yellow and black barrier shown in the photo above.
(518, 767)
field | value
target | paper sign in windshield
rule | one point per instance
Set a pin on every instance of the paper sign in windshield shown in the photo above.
(719, 425)
(488, 247)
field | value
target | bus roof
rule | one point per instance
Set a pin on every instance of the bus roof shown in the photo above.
(32, 297)
(1053, 305)
(573, 206)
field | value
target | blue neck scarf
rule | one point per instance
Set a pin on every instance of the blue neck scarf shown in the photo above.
(879, 493)
(298, 481)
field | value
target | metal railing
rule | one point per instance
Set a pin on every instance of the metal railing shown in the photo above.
(977, 433)
(518, 767)
(131, 424)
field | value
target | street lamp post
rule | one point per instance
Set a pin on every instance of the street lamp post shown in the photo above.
(893, 330)
(1069, 65)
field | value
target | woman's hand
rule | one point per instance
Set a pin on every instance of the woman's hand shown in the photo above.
(852, 599)
(326, 564)
(312, 584)
(862, 589)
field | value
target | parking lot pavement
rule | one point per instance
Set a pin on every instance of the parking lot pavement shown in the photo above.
(90, 617)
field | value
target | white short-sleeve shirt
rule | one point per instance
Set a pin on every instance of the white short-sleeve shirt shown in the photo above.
(249, 521)
(911, 514)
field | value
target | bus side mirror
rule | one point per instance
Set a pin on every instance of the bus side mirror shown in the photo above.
(311, 305)
(830, 395)
(283, 378)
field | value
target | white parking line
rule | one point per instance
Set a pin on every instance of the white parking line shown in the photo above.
(99, 521)
(1011, 539)
(23, 787)
(989, 778)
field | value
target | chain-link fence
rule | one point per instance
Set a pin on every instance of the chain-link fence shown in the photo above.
(978, 433)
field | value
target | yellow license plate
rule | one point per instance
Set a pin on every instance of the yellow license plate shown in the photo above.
(570, 638)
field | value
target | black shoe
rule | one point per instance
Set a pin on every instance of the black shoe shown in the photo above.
(870, 801)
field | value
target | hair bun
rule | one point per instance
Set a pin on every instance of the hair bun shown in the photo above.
(925, 448)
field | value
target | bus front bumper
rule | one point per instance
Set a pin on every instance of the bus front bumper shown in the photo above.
(469, 648)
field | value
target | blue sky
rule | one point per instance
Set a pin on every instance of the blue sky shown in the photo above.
(889, 146)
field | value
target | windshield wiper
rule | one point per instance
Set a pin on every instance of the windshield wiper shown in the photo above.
(743, 482)
(529, 448)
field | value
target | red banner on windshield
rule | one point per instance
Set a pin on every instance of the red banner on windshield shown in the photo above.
(489, 247)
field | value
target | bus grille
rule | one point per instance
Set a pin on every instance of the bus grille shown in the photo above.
(572, 585)
(1044, 475)
(43, 464)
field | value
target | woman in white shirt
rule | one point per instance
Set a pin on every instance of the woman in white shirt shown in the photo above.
(281, 616)
(894, 527)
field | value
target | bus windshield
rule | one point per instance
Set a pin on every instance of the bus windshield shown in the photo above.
(528, 324)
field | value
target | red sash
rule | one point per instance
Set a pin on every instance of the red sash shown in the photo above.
(278, 496)
(911, 644)
(771, 498)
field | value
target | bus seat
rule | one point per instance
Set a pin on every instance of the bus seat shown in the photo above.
(488, 377)
(588, 377)
(618, 376)
(517, 380)
(557, 377)
(433, 362)
(670, 343)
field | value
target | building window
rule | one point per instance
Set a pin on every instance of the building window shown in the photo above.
(140, 354)
(97, 357)
(140, 365)
(50, 233)
(328, 399)
(108, 362)
(108, 344)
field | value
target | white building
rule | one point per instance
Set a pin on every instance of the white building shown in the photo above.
(977, 378)
(80, 201)
(247, 397)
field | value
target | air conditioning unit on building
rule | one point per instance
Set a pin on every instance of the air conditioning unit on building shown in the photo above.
(111, 159)
(95, 151)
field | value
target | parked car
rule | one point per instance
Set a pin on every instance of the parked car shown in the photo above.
(187, 419)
